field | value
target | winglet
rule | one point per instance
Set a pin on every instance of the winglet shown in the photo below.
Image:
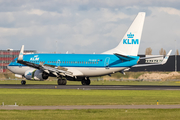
(20, 57)
(166, 58)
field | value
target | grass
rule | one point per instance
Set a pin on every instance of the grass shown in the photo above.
(107, 114)
(134, 75)
(47, 97)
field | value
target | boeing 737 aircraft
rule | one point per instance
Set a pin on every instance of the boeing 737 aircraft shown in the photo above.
(79, 67)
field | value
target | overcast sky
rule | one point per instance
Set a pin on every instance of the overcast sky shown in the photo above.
(86, 26)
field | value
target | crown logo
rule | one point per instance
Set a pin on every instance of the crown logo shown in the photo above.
(130, 35)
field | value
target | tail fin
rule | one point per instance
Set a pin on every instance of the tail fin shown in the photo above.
(129, 45)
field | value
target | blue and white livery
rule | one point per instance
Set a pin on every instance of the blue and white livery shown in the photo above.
(79, 67)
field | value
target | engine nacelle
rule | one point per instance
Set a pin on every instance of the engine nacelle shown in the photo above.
(34, 74)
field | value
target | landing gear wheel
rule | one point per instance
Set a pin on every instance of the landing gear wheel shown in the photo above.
(88, 82)
(62, 81)
(85, 82)
(23, 82)
(59, 81)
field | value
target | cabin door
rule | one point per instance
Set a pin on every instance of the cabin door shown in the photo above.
(58, 63)
(106, 63)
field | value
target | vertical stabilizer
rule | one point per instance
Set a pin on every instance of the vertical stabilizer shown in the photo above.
(129, 45)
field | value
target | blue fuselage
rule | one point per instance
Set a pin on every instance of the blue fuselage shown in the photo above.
(78, 60)
(87, 65)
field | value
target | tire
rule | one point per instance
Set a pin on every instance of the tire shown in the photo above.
(23, 82)
(64, 81)
(85, 82)
(59, 81)
(88, 82)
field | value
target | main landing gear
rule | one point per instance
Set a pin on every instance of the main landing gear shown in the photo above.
(85, 81)
(62, 81)
(23, 82)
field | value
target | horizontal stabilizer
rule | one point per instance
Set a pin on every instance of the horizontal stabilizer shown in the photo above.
(124, 57)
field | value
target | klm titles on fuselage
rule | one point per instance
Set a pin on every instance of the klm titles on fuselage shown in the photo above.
(34, 58)
(130, 41)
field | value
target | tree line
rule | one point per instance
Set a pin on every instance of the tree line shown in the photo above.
(161, 51)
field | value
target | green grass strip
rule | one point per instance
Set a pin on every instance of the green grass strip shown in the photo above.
(105, 114)
(47, 97)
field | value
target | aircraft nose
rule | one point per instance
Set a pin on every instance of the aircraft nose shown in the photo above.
(8, 67)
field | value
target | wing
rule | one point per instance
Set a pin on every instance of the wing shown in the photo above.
(50, 69)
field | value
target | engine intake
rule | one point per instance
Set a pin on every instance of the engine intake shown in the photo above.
(34, 74)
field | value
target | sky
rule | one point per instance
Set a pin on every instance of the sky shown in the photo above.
(86, 26)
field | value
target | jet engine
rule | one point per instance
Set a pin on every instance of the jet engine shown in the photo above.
(34, 74)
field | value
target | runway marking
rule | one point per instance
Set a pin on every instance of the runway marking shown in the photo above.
(90, 107)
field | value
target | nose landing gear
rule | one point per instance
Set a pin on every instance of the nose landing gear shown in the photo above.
(23, 82)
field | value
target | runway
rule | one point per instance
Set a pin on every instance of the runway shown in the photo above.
(90, 107)
(91, 87)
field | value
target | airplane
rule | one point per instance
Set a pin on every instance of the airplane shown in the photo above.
(79, 67)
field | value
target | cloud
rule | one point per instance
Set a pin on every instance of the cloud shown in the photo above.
(160, 30)
(171, 11)
(36, 12)
(86, 26)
